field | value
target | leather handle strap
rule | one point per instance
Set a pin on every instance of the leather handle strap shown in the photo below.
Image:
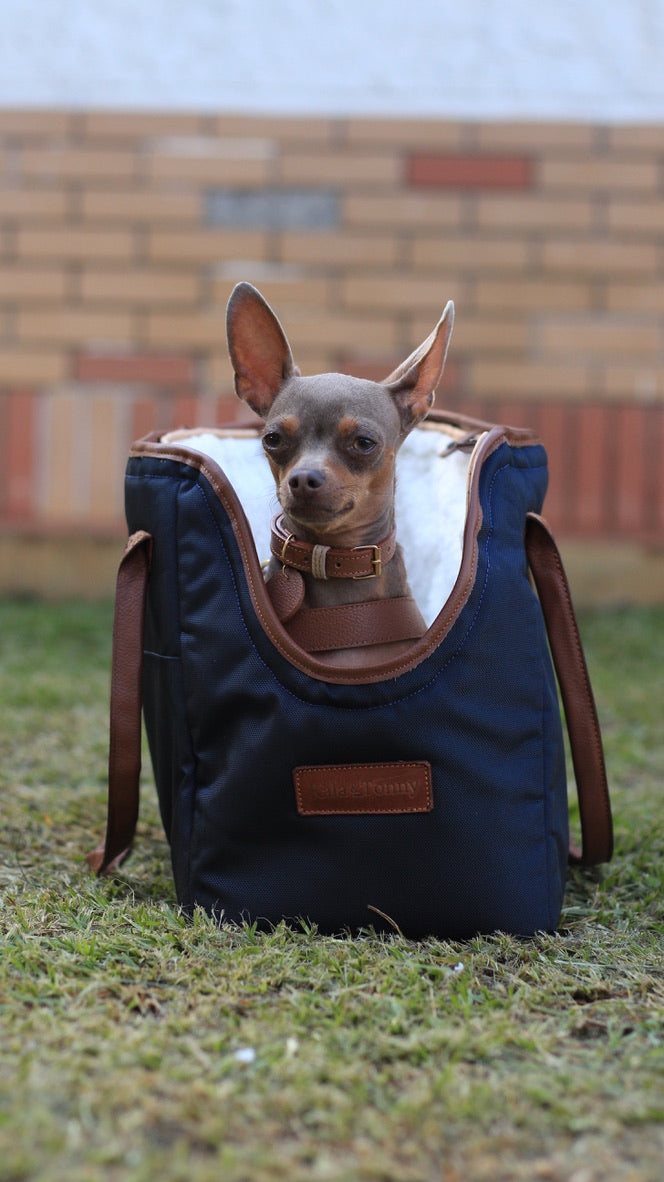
(576, 692)
(124, 758)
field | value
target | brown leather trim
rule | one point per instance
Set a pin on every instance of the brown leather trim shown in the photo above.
(492, 438)
(363, 788)
(356, 625)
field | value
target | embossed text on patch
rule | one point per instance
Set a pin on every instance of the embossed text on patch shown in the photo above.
(348, 788)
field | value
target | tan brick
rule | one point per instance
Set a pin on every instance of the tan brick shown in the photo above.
(217, 162)
(647, 298)
(35, 123)
(73, 326)
(587, 173)
(75, 244)
(597, 257)
(412, 211)
(540, 135)
(596, 335)
(281, 291)
(638, 381)
(26, 205)
(202, 331)
(495, 378)
(206, 246)
(141, 205)
(406, 133)
(142, 286)
(77, 164)
(636, 138)
(127, 125)
(338, 250)
(398, 293)
(341, 169)
(219, 372)
(284, 129)
(641, 219)
(28, 367)
(521, 213)
(21, 285)
(474, 335)
(526, 295)
(312, 358)
(468, 254)
(310, 331)
(61, 463)
(108, 447)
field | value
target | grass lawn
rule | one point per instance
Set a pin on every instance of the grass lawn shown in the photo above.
(135, 1045)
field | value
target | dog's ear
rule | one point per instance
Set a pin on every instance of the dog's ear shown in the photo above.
(413, 384)
(261, 356)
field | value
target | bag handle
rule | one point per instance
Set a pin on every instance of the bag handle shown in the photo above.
(124, 764)
(124, 757)
(580, 712)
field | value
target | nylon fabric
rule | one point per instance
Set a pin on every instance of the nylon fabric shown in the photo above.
(229, 718)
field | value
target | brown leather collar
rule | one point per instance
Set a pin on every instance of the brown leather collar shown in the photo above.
(328, 562)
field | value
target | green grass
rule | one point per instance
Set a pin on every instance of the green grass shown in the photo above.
(137, 1045)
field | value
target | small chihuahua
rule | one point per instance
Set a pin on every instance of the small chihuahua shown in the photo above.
(337, 577)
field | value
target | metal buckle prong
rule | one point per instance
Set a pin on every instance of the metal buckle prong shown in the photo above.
(376, 562)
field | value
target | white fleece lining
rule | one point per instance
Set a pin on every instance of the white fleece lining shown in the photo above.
(431, 501)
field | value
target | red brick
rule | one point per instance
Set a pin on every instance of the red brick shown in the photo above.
(590, 475)
(159, 369)
(653, 472)
(551, 420)
(145, 417)
(469, 171)
(184, 411)
(20, 457)
(230, 410)
(629, 476)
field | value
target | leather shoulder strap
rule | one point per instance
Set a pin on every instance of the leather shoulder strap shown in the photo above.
(124, 759)
(576, 692)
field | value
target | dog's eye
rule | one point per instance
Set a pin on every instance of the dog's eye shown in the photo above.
(272, 440)
(364, 444)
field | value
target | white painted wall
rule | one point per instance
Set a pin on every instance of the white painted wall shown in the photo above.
(586, 59)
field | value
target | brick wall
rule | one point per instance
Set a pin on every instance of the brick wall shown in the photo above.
(122, 236)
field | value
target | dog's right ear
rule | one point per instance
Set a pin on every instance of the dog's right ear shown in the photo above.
(261, 356)
(413, 384)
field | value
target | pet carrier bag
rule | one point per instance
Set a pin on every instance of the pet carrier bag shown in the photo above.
(427, 795)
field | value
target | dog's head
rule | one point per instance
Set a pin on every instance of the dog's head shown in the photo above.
(331, 439)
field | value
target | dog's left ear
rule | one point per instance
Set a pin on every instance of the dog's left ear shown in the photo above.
(413, 384)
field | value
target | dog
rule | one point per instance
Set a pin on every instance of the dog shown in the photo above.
(337, 576)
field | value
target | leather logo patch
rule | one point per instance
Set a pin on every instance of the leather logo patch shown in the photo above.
(351, 788)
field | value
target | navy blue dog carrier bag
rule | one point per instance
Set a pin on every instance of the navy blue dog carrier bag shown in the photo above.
(427, 796)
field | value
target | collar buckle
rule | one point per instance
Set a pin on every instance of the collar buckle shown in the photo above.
(376, 562)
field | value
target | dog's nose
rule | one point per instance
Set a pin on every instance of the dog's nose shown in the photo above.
(305, 480)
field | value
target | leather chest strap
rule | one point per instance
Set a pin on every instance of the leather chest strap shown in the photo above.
(356, 625)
